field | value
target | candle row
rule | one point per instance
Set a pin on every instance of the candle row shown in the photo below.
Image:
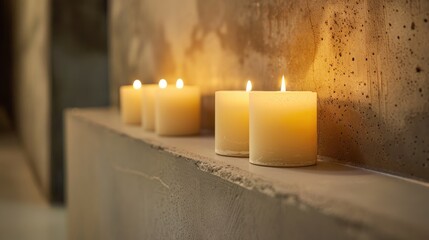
(169, 111)
(271, 128)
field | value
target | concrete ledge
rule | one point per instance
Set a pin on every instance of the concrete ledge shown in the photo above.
(125, 183)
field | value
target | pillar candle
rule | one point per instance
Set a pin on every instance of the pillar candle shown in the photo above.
(148, 106)
(283, 128)
(232, 122)
(177, 110)
(130, 103)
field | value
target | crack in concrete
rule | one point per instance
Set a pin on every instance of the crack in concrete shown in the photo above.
(142, 174)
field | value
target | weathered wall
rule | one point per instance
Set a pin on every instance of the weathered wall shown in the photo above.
(32, 83)
(121, 187)
(79, 69)
(366, 59)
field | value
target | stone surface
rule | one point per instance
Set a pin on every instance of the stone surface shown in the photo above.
(125, 183)
(32, 84)
(367, 60)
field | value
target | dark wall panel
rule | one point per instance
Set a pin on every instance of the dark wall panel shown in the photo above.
(79, 69)
(6, 57)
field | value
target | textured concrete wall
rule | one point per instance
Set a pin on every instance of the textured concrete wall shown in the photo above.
(79, 69)
(367, 60)
(32, 83)
(120, 187)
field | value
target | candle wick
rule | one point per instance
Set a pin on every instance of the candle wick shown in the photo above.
(162, 83)
(249, 86)
(137, 84)
(179, 83)
(283, 86)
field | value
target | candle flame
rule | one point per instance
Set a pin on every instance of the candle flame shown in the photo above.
(248, 86)
(179, 83)
(162, 83)
(137, 84)
(283, 87)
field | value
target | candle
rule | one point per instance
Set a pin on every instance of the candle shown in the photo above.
(232, 122)
(130, 100)
(283, 128)
(177, 109)
(148, 106)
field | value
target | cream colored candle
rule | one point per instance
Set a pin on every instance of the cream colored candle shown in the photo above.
(177, 110)
(148, 106)
(232, 122)
(130, 101)
(283, 128)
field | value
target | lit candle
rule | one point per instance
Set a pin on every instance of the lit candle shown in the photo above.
(177, 109)
(130, 100)
(232, 122)
(148, 106)
(283, 128)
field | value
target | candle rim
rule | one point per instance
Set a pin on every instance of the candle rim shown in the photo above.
(278, 91)
(174, 86)
(232, 91)
(150, 85)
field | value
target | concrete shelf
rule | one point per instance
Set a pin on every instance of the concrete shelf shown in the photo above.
(129, 184)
